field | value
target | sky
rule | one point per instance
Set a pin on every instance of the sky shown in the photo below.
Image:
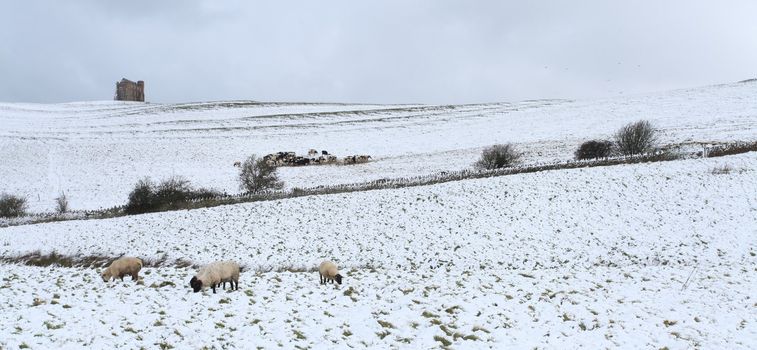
(371, 51)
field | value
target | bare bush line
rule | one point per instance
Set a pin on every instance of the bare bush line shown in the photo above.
(393, 183)
(37, 258)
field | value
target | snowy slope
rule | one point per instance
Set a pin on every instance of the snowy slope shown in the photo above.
(595, 257)
(95, 152)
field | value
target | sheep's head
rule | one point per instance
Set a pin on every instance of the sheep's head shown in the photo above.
(338, 278)
(106, 275)
(196, 284)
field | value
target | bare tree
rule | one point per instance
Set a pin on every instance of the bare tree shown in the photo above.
(635, 138)
(256, 175)
(61, 203)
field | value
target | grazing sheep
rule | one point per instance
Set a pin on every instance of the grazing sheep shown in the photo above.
(121, 267)
(328, 272)
(324, 153)
(212, 275)
(356, 159)
(312, 152)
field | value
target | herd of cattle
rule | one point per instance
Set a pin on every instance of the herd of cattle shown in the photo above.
(313, 158)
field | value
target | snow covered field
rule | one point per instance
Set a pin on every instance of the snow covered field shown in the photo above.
(635, 256)
(654, 255)
(96, 151)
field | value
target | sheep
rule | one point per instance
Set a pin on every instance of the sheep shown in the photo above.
(238, 164)
(212, 275)
(121, 267)
(328, 272)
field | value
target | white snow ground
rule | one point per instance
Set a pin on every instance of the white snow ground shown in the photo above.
(94, 152)
(634, 256)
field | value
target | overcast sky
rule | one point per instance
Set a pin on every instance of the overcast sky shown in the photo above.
(371, 51)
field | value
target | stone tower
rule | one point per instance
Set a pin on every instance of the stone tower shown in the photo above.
(127, 90)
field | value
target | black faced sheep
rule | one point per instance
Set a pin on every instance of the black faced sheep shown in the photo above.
(212, 275)
(329, 272)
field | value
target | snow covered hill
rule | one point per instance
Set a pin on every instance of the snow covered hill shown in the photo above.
(656, 255)
(633, 256)
(95, 152)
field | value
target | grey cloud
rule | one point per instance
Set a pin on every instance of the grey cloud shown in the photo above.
(370, 51)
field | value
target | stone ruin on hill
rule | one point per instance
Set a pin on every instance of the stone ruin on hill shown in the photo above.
(127, 90)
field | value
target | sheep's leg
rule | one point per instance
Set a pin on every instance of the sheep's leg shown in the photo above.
(214, 288)
(135, 276)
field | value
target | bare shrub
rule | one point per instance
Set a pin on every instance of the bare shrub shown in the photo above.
(173, 192)
(12, 206)
(594, 149)
(61, 204)
(141, 198)
(170, 194)
(635, 138)
(498, 156)
(256, 175)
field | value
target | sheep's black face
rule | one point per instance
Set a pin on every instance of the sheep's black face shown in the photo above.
(195, 284)
(338, 278)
